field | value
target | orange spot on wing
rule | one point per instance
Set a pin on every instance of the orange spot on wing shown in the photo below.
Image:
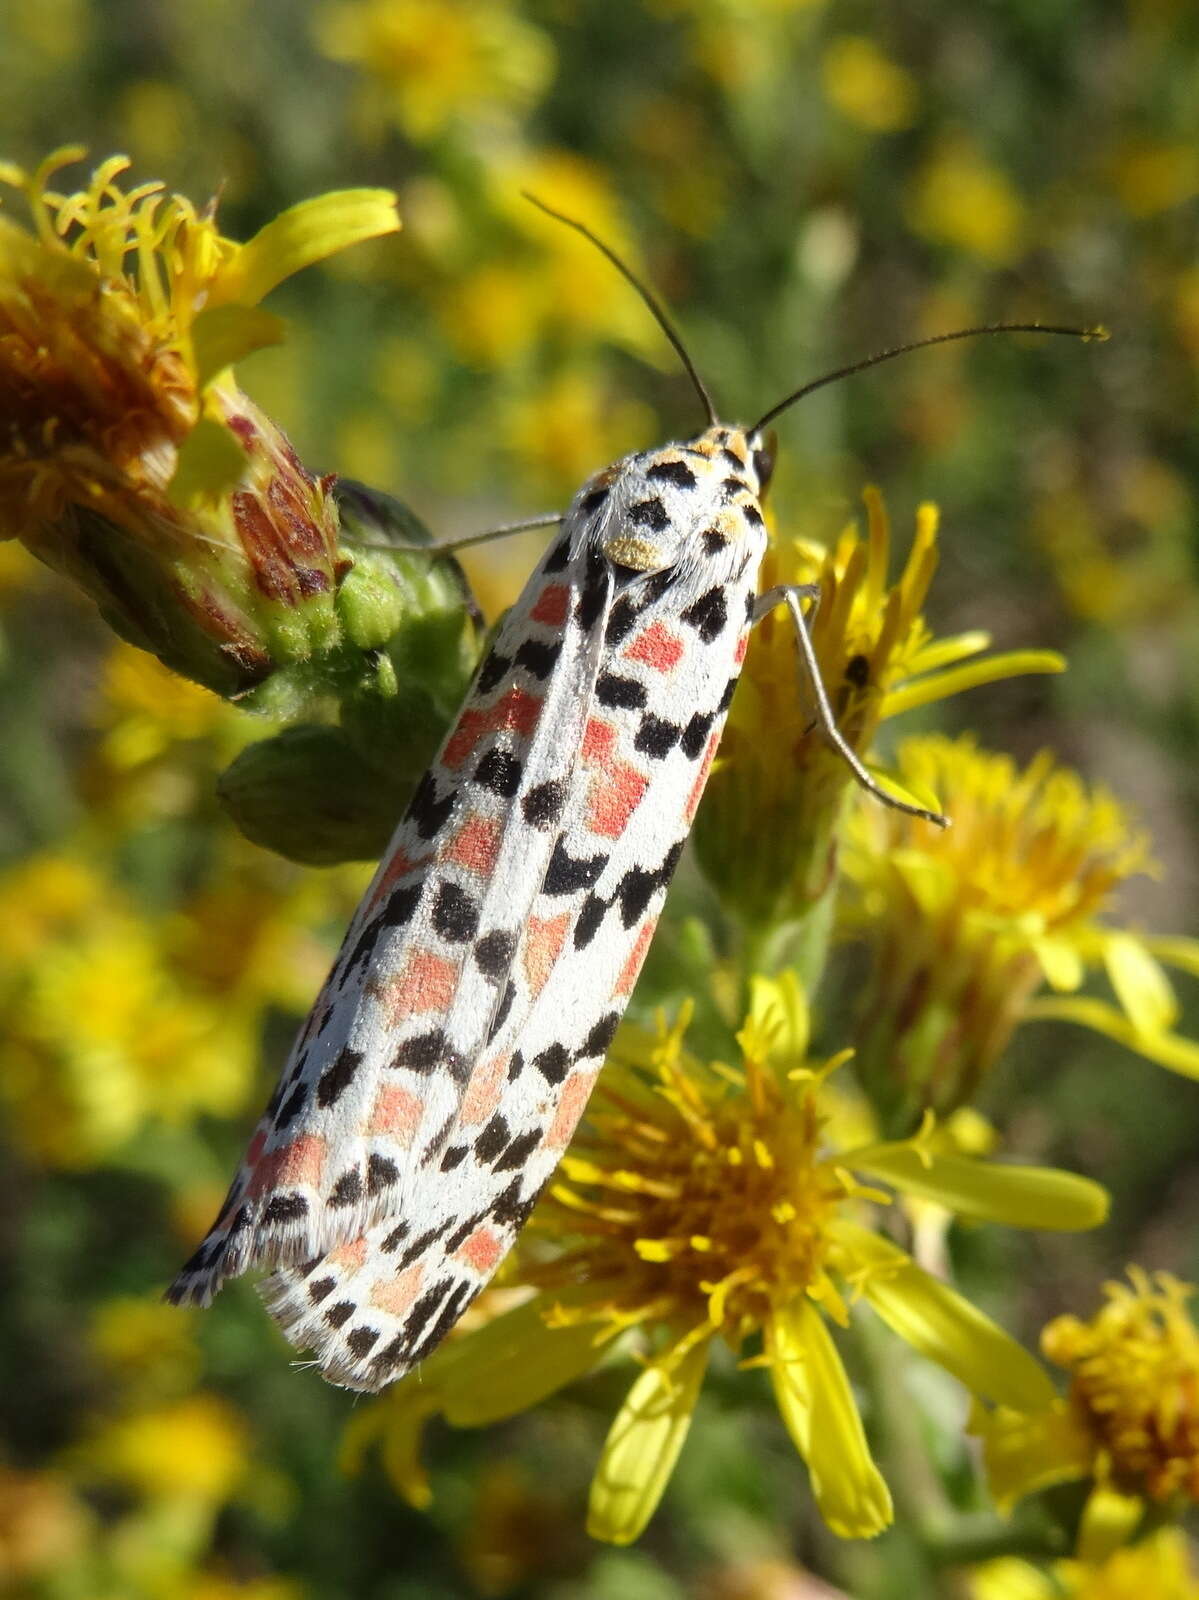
(426, 983)
(657, 647)
(483, 1090)
(613, 797)
(574, 1096)
(397, 867)
(552, 606)
(739, 652)
(300, 1162)
(701, 778)
(544, 938)
(598, 740)
(476, 844)
(482, 1250)
(350, 1256)
(397, 1295)
(396, 1112)
(628, 973)
(517, 709)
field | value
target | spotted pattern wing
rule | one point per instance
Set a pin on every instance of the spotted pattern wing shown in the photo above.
(377, 1076)
(672, 649)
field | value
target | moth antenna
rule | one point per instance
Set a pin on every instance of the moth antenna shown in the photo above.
(650, 299)
(1098, 333)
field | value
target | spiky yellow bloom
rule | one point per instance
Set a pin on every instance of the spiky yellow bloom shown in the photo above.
(1159, 1567)
(703, 1203)
(129, 458)
(1130, 1421)
(966, 924)
(434, 65)
(768, 829)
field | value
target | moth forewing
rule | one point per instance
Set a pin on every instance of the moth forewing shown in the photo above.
(470, 1008)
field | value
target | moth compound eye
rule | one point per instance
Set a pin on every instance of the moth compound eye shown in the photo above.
(764, 455)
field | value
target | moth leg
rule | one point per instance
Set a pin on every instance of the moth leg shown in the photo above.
(792, 595)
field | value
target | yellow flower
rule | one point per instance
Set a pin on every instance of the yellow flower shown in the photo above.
(1158, 1568)
(101, 1031)
(131, 461)
(767, 831)
(195, 1449)
(1130, 1422)
(702, 1202)
(433, 64)
(961, 199)
(866, 87)
(966, 924)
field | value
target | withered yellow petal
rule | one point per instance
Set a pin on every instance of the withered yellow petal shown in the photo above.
(301, 235)
(991, 1191)
(942, 1325)
(643, 1445)
(817, 1405)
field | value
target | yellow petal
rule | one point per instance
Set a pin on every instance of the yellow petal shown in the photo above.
(817, 1405)
(512, 1363)
(1060, 962)
(1167, 1049)
(1024, 1451)
(224, 334)
(1109, 1520)
(1141, 986)
(948, 651)
(940, 685)
(991, 1191)
(643, 1445)
(912, 794)
(1175, 951)
(1009, 1578)
(942, 1325)
(302, 234)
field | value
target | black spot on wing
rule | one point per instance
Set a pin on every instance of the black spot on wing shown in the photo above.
(600, 1037)
(492, 1140)
(543, 803)
(649, 513)
(656, 737)
(454, 1157)
(552, 1063)
(395, 1238)
(502, 1010)
(380, 1173)
(558, 556)
(494, 952)
(285, 1208)
(538, 658)
(623, 693)
(587, 924)
(519, 1151)
(695, 734)
(621, 620)
(455, 914)
(753, 516)
(566, 873)
(337, 1078)
(347, 1191)
(499, 771)
(593, 500)
(427, 811)
(424, 1052)
(492, 671)
(594, 594)
(291, 1107)
(362, 1341)
(339, 1314)
(320, 1289)
(709, 614)
(714, 541)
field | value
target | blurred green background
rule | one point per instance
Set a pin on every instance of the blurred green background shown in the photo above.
(804, 183)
